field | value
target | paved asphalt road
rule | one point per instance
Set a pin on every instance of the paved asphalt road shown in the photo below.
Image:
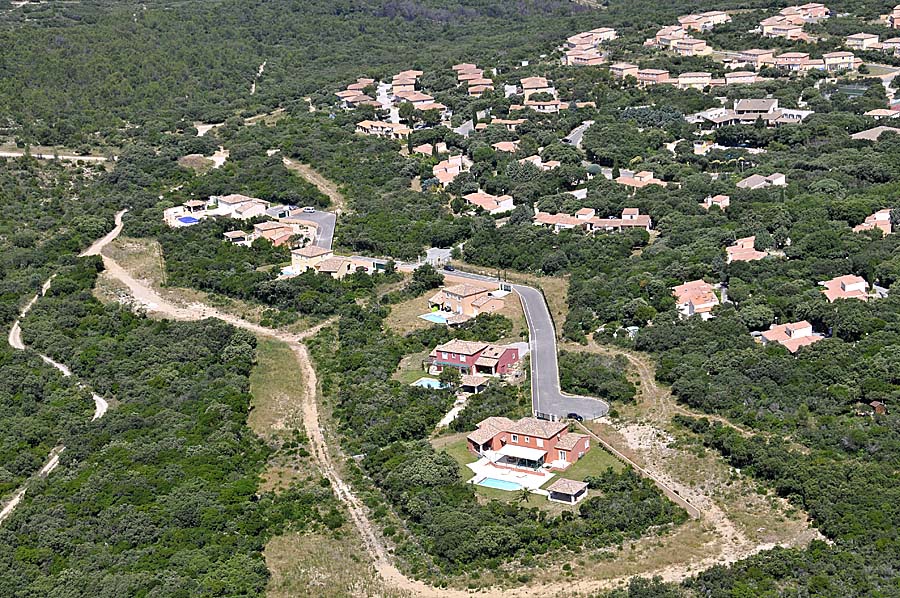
(574, 138)
(465, 129)
(546, 397)
(325, 222)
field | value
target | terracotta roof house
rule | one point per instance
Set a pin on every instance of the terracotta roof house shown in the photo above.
(238, 206)
(336, 267)
(758, 181)
(274, 231)
(538, 161)
(846, 287)
(690, 46)
(792, 61)
(874, 134)
(882, 113)
(880, 220)
(891, 45)
(584, 58)
(463, 66)
(416, 98)
(740, 78)
(840, 61)
(893, 18)
(631, 218)
(743, 251)
(510, 147)
(476, 91)
(696, 297)
(528, 443)
(621, 70)
(862, 41)
(652, 76)
(426, 149)
(470, 75)
(792, 336)
(559, 222)
(723, 201)
(704, 21)
(757, 58)
(640, 180)
(810, 11)
(492, 204)
(697, 80)
(382, 129)
(466, 300)
(471, 357)
(533, 85)
(749, 111)
(308, 257)
(447, 170)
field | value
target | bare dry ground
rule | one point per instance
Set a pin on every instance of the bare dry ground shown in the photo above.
(404, 317)
(320, 565)
(556, 288)
(143, 259)
(196, 162)
(326, 186)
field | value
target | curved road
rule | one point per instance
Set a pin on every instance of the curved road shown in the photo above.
(548, 401)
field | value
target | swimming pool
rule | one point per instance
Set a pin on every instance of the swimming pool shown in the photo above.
(434, 317)
(428, 383)
(499, 484)
(188, 220)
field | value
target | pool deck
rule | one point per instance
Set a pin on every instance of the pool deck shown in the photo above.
(483, 468)
(426, 382)
(434, 317)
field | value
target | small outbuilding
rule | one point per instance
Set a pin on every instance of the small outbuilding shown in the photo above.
(566, 491)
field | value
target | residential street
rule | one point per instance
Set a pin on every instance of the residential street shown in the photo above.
(574, 138)
(547, 399)
(325, 231)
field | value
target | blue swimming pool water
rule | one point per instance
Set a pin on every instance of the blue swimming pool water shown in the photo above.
(434, 317)
(188, 220)
(427, 383)
(500, 484)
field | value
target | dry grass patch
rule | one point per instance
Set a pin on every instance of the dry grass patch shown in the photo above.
(143, 259)
(277, 387)
(196, 162)
(404, 316)
(321, 565)
(556, 288)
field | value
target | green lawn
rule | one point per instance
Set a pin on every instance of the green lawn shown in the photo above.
(459, 450)
(594, 462)
(410, 368)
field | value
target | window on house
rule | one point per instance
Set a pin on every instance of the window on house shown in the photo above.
(562, 455)
(540, 442)
(444, 354)
(527, 440)
(515, 438)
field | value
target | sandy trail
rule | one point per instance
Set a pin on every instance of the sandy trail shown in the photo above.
(735, 544)
(324, 185)
(15, 341)
(357, 511)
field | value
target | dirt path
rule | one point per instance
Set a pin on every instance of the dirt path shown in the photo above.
(324, 185)
(664, 406)
(734, 544)
(101, 406)
(660, 406)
